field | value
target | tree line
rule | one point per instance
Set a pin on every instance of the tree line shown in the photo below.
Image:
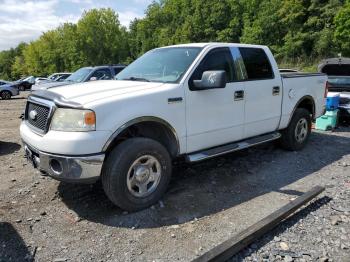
(297, 31)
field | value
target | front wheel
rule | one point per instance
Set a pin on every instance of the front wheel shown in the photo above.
(5, 95)
(296, 135)
(136, 173)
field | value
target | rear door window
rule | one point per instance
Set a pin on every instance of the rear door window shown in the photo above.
(257, 63)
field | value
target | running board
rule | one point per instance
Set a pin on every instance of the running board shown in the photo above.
(217, 151)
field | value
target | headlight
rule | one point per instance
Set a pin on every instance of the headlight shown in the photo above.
(73, 120)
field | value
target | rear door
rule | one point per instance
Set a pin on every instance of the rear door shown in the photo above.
(214, 117)
(262, 93)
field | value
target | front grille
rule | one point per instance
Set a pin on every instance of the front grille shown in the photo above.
(37, 116)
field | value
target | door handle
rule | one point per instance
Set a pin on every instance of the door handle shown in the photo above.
(239, 95)
(275, 90)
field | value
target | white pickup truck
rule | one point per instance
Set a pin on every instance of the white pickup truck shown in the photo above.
(195, 101)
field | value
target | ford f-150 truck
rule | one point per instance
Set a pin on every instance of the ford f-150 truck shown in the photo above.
(194, 101)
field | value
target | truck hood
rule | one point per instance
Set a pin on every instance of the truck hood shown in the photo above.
(88, 92)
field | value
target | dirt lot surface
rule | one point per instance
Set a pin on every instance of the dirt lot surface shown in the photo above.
(45, 220)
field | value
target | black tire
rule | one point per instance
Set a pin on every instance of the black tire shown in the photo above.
(5, 95)
(21, 88)
(289, 140)
(115, 173)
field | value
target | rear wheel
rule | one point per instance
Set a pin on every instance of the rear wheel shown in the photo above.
(21, 88)
(5, 95)
(296, 135)
(136, 174)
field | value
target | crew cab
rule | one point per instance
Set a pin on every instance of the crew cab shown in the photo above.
(193, 101)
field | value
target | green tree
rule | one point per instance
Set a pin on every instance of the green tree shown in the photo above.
(101, 38)
(7, 59)
(342, 29)
(266, 27)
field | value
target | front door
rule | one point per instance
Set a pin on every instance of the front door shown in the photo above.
(214, 117)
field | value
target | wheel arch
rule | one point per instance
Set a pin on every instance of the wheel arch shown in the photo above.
(307, 102)
(165, 134)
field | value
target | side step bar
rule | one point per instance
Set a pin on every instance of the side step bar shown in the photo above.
(217, 151)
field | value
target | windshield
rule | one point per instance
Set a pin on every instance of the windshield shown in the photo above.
(79, 76)
(166, 65)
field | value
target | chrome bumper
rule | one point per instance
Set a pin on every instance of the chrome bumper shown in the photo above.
(75, 169)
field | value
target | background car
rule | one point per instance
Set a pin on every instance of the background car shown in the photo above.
(40, 80)
(338, 71)
(25, 83)
(7, 90)
(58, 77)
(85, 74)
(4, 82)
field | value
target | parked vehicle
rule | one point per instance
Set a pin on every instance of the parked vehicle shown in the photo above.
(4, 82)
(84, 74)
(58, 77)
(25, 83)
(338, 71)
(8, 89)
(40, 80)
(194, 101)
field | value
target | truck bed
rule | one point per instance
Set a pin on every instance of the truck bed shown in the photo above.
(299, 85)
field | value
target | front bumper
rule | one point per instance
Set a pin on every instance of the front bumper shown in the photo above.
(75, 169)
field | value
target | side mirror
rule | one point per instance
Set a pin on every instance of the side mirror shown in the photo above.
(93, 78)
(211, 80)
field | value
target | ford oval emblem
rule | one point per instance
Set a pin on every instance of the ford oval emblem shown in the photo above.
(33, 114)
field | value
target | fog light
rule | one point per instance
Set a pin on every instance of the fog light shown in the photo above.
(56, 166)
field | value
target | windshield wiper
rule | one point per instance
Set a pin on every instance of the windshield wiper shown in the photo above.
(132, 78)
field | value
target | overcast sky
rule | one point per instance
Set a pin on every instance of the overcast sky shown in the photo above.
(26, 20)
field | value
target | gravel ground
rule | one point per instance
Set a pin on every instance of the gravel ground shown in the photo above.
(44, 220)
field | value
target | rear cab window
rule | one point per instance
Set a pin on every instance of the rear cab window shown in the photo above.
(256, 63)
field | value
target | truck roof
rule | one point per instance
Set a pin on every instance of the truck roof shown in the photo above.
(202, 45)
